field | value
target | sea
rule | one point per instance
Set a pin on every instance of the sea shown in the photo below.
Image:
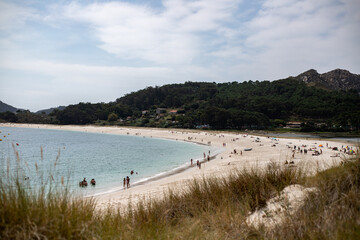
(64, 158)
(352, 140)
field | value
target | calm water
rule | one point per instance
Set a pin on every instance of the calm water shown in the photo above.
(107, 158)
(303, 135)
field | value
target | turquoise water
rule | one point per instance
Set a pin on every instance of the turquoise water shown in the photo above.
(106, 158)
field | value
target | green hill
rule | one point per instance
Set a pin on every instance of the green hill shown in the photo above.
(232, 105)
(225, 106)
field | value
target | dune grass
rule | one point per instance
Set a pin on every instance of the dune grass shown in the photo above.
(209, 208)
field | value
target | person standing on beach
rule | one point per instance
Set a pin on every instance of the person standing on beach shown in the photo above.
(128, 182)
(191, 162)
(124, 183)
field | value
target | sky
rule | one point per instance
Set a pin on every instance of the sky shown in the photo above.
(62, 52)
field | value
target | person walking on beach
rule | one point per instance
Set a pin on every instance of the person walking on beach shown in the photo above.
(124, 183)
(128, 182)
(191, 162)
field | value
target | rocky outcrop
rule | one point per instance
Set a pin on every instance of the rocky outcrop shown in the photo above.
(336, 80)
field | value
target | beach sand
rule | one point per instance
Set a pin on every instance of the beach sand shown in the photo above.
(265, 151)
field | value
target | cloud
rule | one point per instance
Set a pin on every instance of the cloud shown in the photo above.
(100, 50)
(288, 37)
(175, 34)
(14, 16)
(44, 84)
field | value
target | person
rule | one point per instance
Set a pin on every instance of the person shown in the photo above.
(93, 182)
(124, 183)
(128, 182)
(132, 172)
(83, 183)
(191, 161)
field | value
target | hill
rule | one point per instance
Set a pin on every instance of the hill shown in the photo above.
(332, 105)
(335, 80)
(249, 104)
(50, 110)
(7, 108)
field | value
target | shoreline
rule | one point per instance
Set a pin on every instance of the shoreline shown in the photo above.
(265, 151)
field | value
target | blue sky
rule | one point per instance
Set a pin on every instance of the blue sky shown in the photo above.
(63, 52)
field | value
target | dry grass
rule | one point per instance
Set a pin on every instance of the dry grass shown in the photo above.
(210, 208)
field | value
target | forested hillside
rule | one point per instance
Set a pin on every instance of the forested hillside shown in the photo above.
(233, 105)
(224, 106)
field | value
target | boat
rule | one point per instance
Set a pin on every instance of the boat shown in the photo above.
(247, 149)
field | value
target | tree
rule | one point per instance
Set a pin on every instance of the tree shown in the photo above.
(8, 116)
(112, 117)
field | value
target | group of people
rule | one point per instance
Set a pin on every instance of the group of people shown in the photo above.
(198, 163)
(84, 183)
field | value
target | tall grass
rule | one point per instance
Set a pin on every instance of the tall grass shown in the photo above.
(208, 208)
(333, 212)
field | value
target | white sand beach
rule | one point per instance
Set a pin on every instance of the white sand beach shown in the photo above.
(264, 151)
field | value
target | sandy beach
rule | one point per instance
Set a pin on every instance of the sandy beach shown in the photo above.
(262, 152)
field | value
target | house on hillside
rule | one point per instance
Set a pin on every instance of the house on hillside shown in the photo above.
(293, 124)
(173, 112)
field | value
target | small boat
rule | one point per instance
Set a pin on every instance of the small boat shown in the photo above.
(247, 149)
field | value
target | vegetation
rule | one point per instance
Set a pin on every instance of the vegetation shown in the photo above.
(246, 105)
(211, 208)
(25, 116)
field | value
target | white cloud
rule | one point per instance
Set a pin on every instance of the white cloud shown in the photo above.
(139, 45)
(288, 37)
(173, 35)
(13, 16)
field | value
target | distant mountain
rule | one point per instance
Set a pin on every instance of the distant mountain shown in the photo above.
(50, 110)
(6, 107)
(335, 80)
